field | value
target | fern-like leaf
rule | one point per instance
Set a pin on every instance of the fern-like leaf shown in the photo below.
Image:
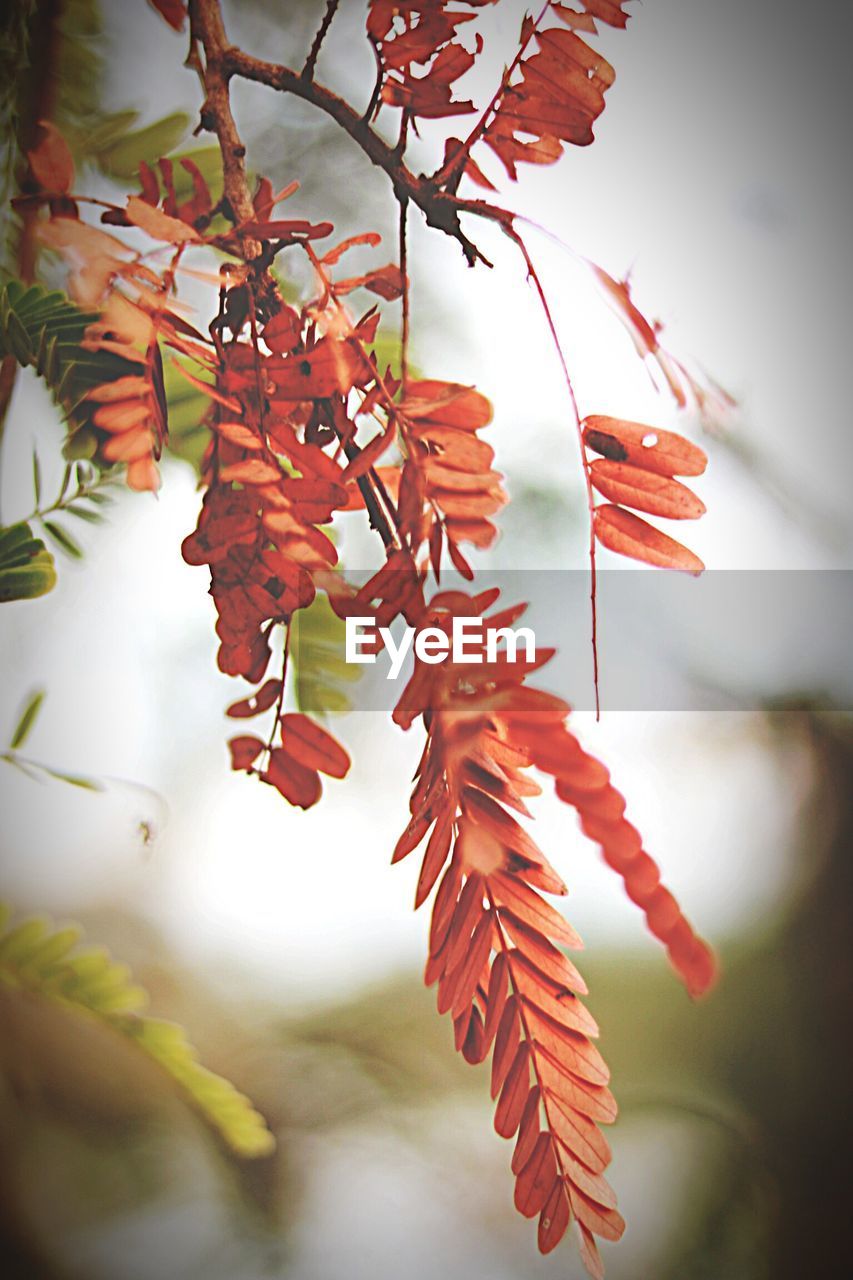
(44, 330)
(26, 566)
(46, 962)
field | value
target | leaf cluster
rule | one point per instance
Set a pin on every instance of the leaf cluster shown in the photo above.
(42, 961)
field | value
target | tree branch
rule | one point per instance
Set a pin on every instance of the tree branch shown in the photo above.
(207, 30)
(440, 209)
(311, 60)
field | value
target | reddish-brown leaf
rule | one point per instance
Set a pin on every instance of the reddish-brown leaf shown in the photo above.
(543, 954)
(513, 1097)
(664, 452)
(435, 856)
(251, 471)
(314, 745)
(474, 1049)
(244, 751)
(157, 224)
(590, 1256)
(496, 995)
(579, 1135)
(526, 905)
(591, 1184)
(631, 486)
(558, 1002)
(298, 785)
(467, 974)
(626, 534)
(50, 160)
(174, 11)
(506, 1044)
(555, 1218)
(595, 1101)
(607, 1223)
(578, 1054)
(261, 700)
(536, 1180)
(528, 1131)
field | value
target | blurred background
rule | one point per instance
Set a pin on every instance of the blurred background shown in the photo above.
(282, 941)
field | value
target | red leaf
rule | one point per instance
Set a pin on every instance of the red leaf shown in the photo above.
(513, 893)
(313, 745)
(174, 11)
(259, 702)
(555, 1218)
(293, 229)
(609, 11)
(506, 1044)
(513, 1097)
(251, 471)
(298, 785)
(535, 1183)
(528, 1131)
(244, 751)
(332, 256)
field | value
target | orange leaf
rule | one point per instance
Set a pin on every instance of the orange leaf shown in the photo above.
(158, 225)
(535, 1182)
(251, 471)
(664, 452)
(50, 160)
(555, 1218)
(628, 535)
(631, 486)
(513, 1097)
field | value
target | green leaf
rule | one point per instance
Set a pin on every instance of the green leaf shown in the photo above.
(63, 540)
(122, 157)
(27, 720)
(110, 131)
(43, 330)
(73, 779)
(26, 566)
(36, 478)
(47, 963)
(317, 654)
(83, 513)
(187, 407)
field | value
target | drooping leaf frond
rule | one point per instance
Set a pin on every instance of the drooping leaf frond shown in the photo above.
(48, 963)
(26, 566)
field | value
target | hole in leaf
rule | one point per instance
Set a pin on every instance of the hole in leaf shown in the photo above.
(650, 440)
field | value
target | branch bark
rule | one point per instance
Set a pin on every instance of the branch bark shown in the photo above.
(440, 208)
(208, 31)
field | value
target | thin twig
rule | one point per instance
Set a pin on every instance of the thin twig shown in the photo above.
(452, 170)
(311, 60)
(440, 209)
(533, 275)
(373, 104)
(404, 273)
